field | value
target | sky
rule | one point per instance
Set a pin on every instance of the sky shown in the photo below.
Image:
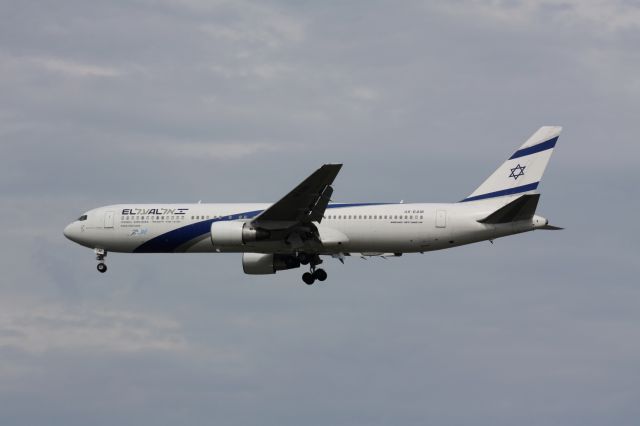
(237, 101)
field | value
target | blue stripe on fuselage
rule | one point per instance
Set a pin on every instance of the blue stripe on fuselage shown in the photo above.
(170, 241)
(536, 148)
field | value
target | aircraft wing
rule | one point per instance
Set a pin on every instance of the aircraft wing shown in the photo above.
(304, 204)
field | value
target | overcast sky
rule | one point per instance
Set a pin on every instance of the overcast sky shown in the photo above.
(180, 101)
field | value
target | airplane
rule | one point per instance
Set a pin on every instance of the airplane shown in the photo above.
(305, 225)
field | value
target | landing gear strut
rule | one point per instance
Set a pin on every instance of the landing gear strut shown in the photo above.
(314, 274)
(100, 255)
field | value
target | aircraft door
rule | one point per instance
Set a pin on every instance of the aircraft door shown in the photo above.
(108, 219)
(441, 219)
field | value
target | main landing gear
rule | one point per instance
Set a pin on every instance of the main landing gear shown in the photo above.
(313, 274)
(100, 255)
(310, 277)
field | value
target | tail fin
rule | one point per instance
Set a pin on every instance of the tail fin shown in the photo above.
(522, 172)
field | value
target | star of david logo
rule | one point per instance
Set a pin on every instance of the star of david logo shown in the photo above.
(517, 171)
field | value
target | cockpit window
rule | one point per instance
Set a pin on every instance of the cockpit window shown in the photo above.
(83, 217)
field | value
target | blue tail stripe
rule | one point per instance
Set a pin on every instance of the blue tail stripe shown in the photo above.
(510, 191)
(536, 148)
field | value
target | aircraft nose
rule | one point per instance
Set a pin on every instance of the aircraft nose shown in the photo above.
(68, 231)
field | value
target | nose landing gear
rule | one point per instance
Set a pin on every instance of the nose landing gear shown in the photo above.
(100, 255)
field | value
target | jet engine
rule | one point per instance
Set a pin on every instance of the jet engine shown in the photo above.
(232, 233)
(262, 263)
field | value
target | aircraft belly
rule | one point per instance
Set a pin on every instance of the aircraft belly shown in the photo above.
(388, 237)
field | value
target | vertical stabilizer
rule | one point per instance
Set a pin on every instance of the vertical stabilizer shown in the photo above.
(522, 172)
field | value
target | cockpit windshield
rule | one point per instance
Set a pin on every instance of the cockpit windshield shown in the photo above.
(83, 217)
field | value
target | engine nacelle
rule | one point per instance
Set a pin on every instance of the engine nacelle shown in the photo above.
(263, 263)
(232, 233)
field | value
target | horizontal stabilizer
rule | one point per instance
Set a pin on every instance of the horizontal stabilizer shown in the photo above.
(522, 208)
(551, 228)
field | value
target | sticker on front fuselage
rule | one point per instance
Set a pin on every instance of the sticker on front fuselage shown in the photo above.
(138, 231)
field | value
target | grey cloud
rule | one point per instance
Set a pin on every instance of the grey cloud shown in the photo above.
(50, 329)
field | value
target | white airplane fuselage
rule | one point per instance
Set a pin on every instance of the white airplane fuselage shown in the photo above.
(345, 228)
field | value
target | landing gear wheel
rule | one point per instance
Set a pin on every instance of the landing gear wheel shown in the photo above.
(320, 274)
(102, 268)
(308, 278)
